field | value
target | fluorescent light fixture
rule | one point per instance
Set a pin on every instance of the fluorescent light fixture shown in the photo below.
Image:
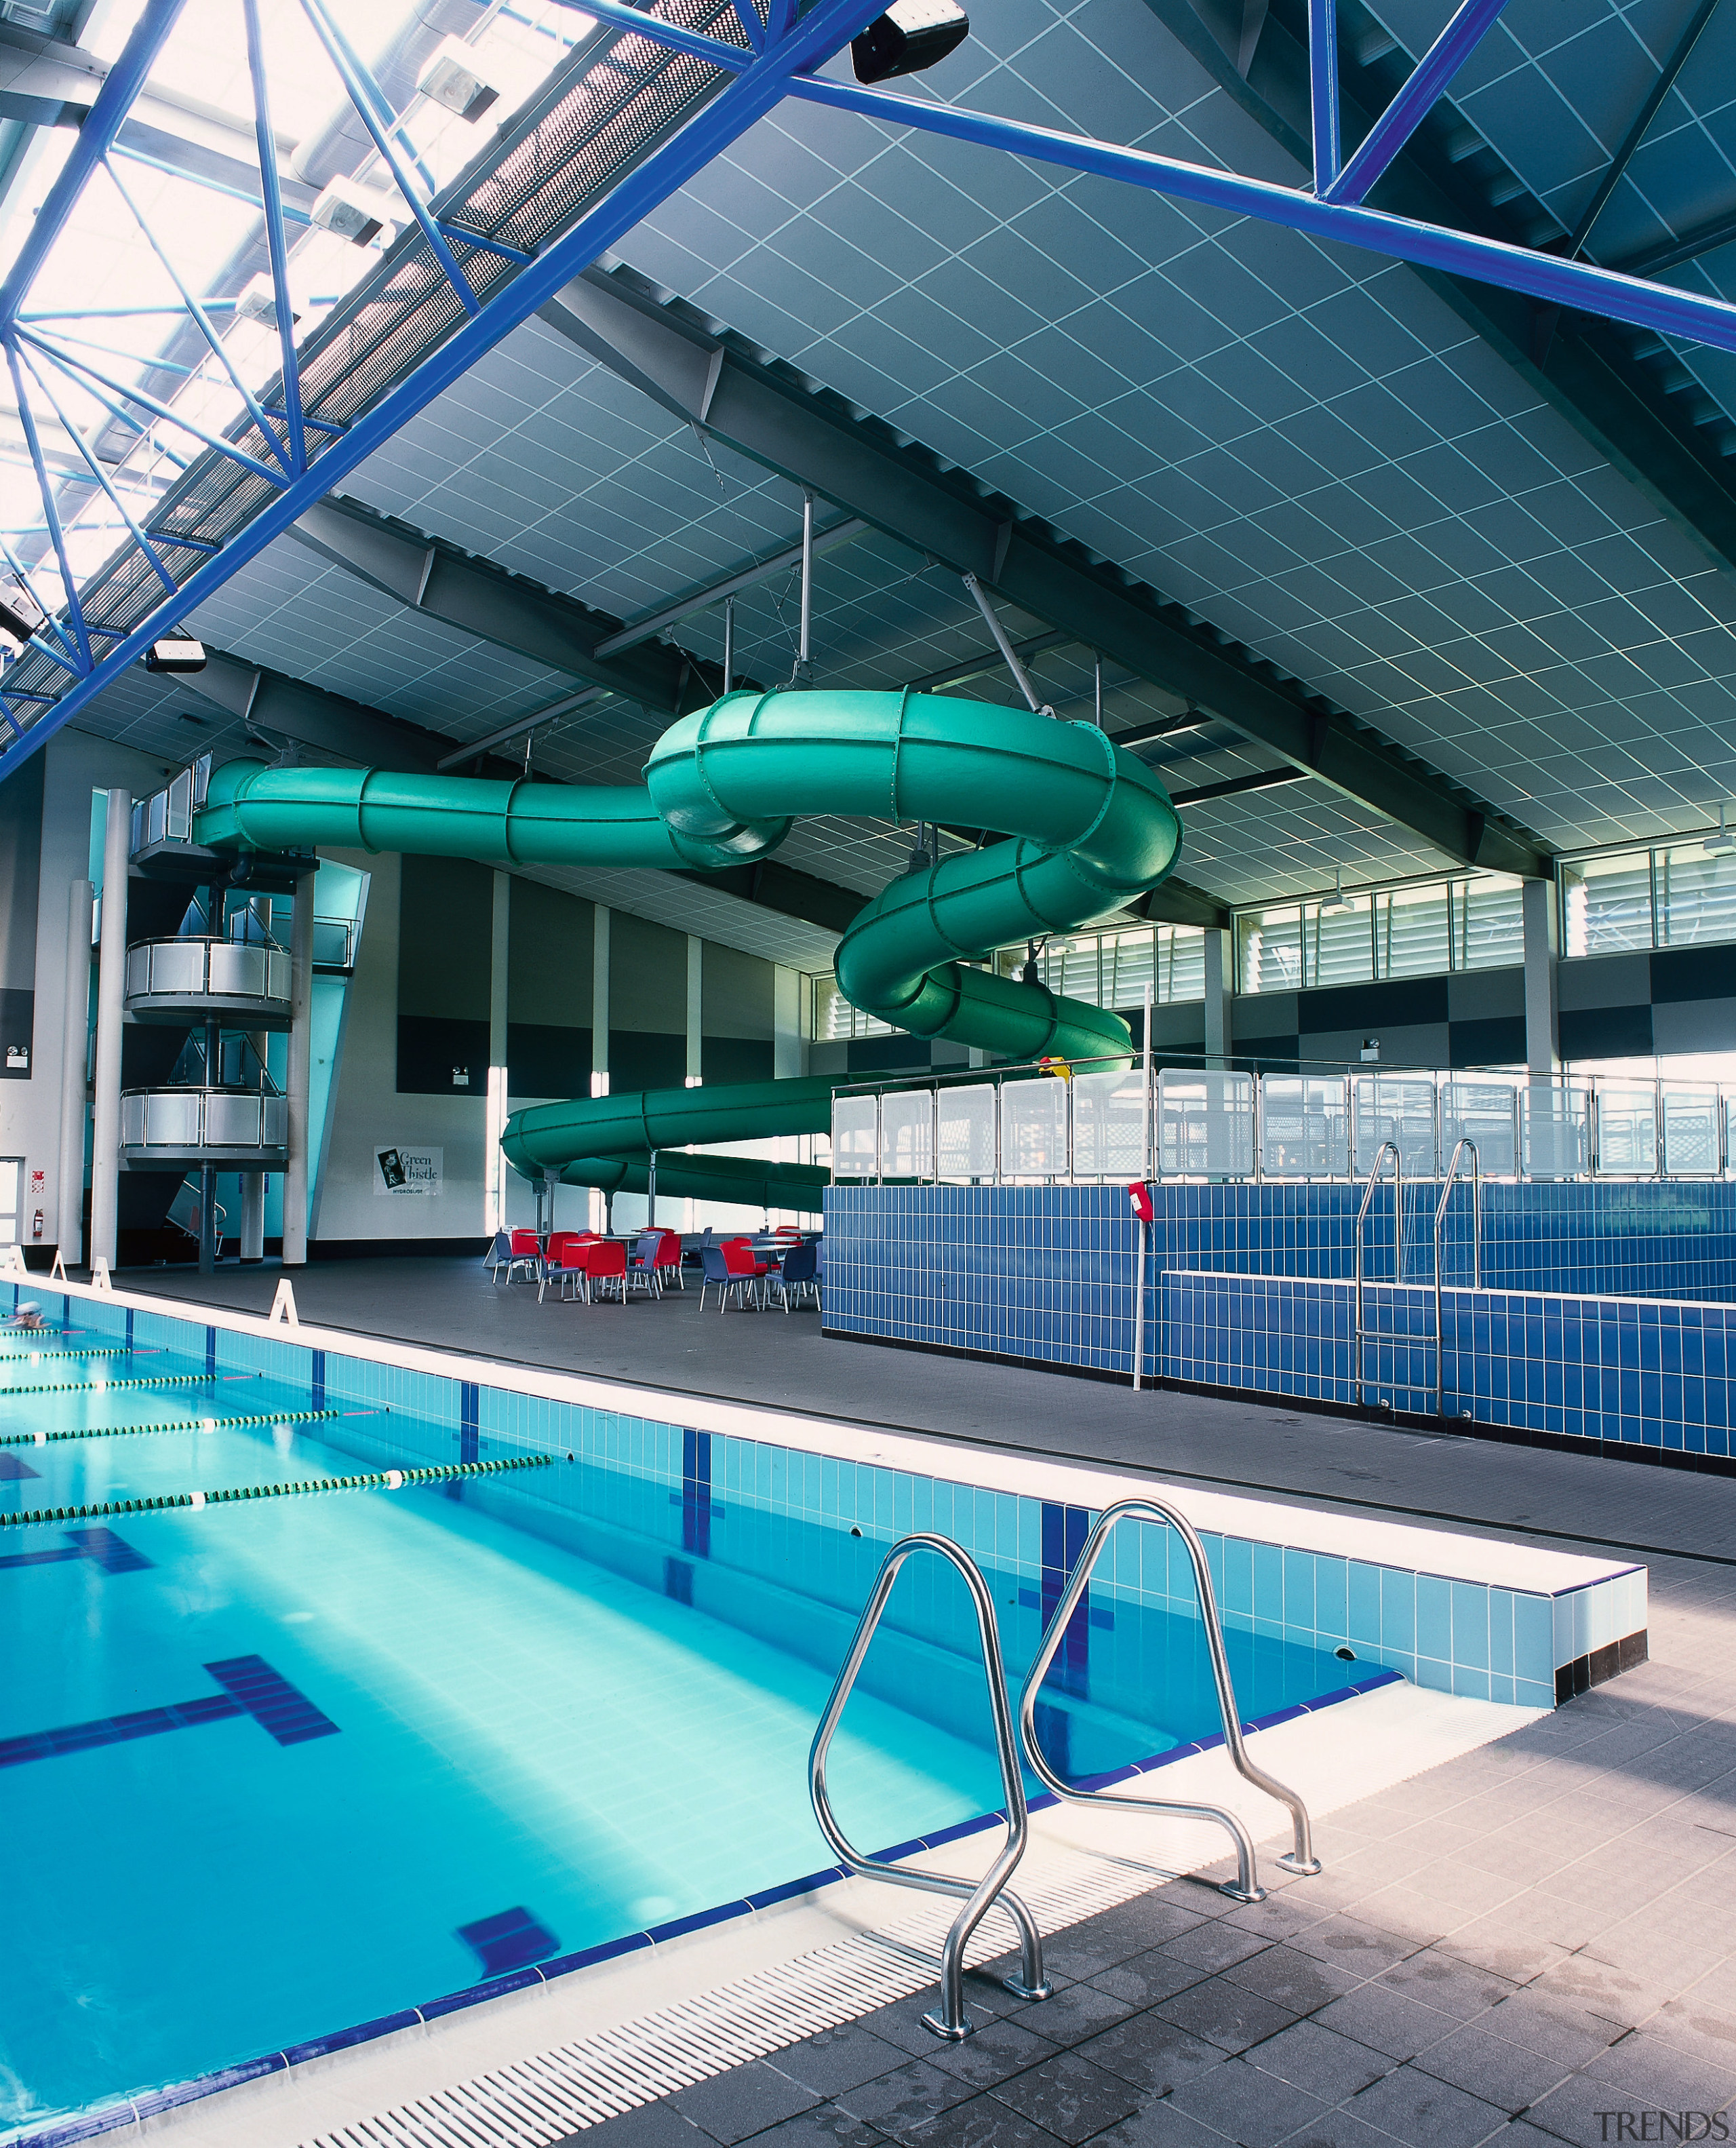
(1337, 900)
(350, 210)
(911, 35)
(454, 78)
(175, 652)
(1723, 840)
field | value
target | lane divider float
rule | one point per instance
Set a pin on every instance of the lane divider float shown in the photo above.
(374, 1480)
(169, 1424)
(108, 1386)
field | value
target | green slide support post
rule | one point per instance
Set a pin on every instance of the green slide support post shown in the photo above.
(1091, 827)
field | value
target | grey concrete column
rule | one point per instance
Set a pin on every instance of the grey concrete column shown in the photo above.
(105, 1184)
(494, 1164)
(599, 999)
(299, 1078)
(74, 1080)
(252, 1217)
(695, 1009)
(1542, 945)
(1219, 979)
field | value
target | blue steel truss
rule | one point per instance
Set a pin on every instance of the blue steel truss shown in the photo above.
(638, 108)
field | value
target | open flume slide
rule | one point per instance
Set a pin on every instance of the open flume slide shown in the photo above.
(1092, 830)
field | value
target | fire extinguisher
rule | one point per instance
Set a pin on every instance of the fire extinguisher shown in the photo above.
(36, 1228)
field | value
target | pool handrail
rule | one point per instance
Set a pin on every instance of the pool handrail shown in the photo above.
(1386, 1149)
(1300, 1858)
(1464, 1142)
(951, 2022)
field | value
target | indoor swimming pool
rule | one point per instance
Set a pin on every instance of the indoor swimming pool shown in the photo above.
(290, 1766)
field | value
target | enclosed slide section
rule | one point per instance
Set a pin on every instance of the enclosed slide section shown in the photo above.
(1090, 829)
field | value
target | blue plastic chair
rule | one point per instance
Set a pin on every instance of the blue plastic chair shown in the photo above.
(717, 1270)
(798, 1273)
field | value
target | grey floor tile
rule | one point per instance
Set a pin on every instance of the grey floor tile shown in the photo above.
(838, 2059)
(1385, 2021)
(825, 2127)
(1216, 1946)
(1076, 2012)
(653, 2125)
(1553, 2028)
(1339, 2128)
(1162, 2125)
(980, 2123)
(1347, 1943)
(1070, 2097)
(997, 2050)
(1292, 1980)
(1155, 2055)
(1225, 2014)
(1251, 2107)
(1327, 2065)
(1501, 2074)
(1149, 1977)
(1449, 1985)
(1697, 2025)
(745, 2101)
(1573, 2112)
(1415, 2107)
(899, 2103)
(1647, 2065)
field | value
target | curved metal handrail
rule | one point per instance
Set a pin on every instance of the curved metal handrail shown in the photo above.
(951, 2022)
(1387, 1148)
(1247, 1888)
(1464, 1143)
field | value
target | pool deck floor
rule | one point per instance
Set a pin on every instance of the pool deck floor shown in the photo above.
(1535, 1942)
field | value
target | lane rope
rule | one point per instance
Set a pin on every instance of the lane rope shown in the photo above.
(170, 1424)
(108, 1386)
(374, 1480)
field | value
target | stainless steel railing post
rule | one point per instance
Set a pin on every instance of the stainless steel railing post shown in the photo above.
(1464, 1143)
(951, 2022)
(1300, 1858)
(1387, 1148)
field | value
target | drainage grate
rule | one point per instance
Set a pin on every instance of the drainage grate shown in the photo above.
(539, 2101)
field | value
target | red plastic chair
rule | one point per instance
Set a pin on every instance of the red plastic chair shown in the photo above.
(555, 1260)
(527, 1253)
(739, 1259)
(667, 1260)
(605, 1268)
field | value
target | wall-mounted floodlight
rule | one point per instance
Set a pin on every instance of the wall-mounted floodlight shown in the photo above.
(20, 616)
(175, 652)
(258, 302)
(348, 210)
(911, 35)
(1723, 840)
(454, 78)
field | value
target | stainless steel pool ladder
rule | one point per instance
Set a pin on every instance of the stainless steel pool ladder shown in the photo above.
(1245, 1887)
(951, 2021)
(1387, 1148)
(1459, 1148)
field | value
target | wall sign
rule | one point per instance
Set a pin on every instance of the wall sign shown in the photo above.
(408, 1171)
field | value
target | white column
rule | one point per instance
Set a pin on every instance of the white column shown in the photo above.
(600, 1206)
(695, 1010)
(253, 1182)
(1538, 911)
(494, 1163)
(788, 1046)
(299, 1080)
(1220, 972)
(105, 1185)
(74, 1080)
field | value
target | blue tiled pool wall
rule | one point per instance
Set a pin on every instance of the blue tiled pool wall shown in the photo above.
(773, 1510)
(1045, 1272)
(1629, 1371)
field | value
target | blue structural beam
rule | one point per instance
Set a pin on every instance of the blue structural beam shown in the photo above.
(1574, 285)
(760, 84)
(1323, 84)
(1408, 109)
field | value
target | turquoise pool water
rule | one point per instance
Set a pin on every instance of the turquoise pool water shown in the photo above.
(277, 1767)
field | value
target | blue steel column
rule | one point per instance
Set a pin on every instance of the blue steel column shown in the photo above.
(1323, 78)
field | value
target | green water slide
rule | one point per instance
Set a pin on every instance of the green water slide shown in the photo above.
(1092, 830)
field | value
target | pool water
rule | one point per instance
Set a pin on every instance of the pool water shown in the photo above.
(290, 1766)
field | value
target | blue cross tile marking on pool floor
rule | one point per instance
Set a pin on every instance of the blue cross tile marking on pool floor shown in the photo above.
(251, 1687)
(113, 1553)
(696, 1508)
(512, 1940)
(14, 1468)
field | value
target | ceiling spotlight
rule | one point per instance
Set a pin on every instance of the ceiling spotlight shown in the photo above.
(258, 302)
(921, 858)
(1723, 840)
(1032, 973)
(911, 35)
(1337, 900)
(350, 210)
(20, 616)
(175, 652)
(454, 78)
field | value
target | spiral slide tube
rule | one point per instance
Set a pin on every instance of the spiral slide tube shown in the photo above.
(1092, 830)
